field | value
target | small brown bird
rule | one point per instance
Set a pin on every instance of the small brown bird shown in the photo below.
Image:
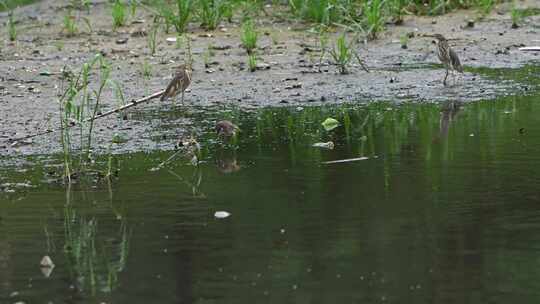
(180, 82)
(226, 128)
(447, 56)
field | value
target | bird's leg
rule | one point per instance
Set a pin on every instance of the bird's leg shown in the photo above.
(183, 89)
(445, 76)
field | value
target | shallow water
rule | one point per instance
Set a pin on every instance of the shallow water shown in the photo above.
(444, 210)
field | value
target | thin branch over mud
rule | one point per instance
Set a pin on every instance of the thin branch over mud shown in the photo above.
(91, 119)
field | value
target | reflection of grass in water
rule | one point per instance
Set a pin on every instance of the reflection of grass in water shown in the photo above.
(93, 265)
(80, 248)
(529, 74)
(358, 125)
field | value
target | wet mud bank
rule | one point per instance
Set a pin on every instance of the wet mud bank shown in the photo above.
(288, 75)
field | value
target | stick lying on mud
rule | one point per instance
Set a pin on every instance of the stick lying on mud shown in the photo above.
(119, 109)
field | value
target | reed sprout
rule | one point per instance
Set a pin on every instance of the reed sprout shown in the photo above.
(118, 13)
(249, 36)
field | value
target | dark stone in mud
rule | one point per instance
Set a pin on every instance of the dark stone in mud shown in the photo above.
(470, 23)
(220, 47)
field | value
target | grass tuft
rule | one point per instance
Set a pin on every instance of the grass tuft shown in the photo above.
(374, 17)
(252, 62)
(212, 11)
(12, 29)
(516, 16)
(70, 26)
(249, 36)
(177, 15)
(118, 13)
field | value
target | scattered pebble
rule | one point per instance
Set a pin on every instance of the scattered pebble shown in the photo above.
(324, 145)
(263, 66)
(221, 214)
(46, 262)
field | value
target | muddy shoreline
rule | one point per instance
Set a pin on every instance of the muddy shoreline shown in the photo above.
(31, 70)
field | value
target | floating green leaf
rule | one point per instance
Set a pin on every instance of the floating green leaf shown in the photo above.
(330, 124)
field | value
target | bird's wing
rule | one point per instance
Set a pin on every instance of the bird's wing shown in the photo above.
(169, 91)
(456, 64)
(174, 85)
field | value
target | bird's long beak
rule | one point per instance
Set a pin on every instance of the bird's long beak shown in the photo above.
(426, 35)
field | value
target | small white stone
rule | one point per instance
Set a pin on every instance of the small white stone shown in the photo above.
(221, 214)
(46, 262)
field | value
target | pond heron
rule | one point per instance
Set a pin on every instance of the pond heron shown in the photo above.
(447, 56)
(226, 128)
(179, 83)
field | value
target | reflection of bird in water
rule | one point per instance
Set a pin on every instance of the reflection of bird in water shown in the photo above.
(226, 128)
(449, 111)
(227, 165)
(447, 55)
(179, 83)
(191, 148)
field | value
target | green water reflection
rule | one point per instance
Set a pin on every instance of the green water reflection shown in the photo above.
(445, 210)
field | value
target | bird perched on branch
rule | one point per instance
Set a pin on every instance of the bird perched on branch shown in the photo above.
(446, 54)
(179, 83)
